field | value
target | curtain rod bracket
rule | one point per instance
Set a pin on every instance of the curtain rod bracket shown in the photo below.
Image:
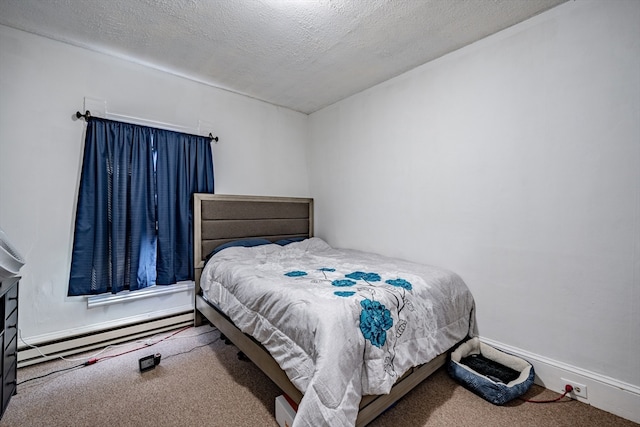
(86, 115)
(213, 138)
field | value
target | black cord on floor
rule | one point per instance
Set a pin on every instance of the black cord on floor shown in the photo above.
(51, 373)
(190, 350)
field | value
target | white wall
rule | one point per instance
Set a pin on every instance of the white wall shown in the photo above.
(516, 163)
(42, 84)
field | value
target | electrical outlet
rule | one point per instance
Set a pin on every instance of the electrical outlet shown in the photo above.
(579, 390)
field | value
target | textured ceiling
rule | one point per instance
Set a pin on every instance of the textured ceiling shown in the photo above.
(300, 54)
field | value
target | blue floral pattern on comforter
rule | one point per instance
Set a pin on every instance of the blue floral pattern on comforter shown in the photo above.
(340, 323)
(375, 319)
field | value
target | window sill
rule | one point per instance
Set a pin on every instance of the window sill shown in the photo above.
(126, 296)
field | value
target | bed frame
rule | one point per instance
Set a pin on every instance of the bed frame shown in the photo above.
(220, 219)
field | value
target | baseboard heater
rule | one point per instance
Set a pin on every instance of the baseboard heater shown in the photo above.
(100, 339)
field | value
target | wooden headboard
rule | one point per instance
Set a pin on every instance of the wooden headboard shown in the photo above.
(221, 218)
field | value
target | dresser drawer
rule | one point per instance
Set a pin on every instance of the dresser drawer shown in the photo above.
(8, 388)
(11, 330)
(8, 340)
(11, 300)
(10, 356)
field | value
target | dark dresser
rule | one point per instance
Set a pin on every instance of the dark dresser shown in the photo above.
(9, 338)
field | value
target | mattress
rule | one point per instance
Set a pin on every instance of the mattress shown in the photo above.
(340, 323)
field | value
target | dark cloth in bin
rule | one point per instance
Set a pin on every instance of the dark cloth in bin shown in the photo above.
(490, 369)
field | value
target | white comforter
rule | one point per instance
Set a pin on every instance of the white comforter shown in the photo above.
(341, 323)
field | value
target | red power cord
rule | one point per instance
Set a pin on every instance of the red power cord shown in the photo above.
(97, 359)
(567, 389)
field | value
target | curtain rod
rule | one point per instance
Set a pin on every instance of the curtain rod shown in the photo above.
(87, 115)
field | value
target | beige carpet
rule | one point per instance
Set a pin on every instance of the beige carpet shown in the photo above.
(200, 381)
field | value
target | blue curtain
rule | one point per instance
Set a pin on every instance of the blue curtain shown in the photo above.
(185, 166)
(133, 218)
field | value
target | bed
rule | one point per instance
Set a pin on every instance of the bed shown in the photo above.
(354, 335)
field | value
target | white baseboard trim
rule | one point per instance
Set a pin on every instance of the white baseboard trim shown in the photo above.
(77, 340)
(606, 393)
